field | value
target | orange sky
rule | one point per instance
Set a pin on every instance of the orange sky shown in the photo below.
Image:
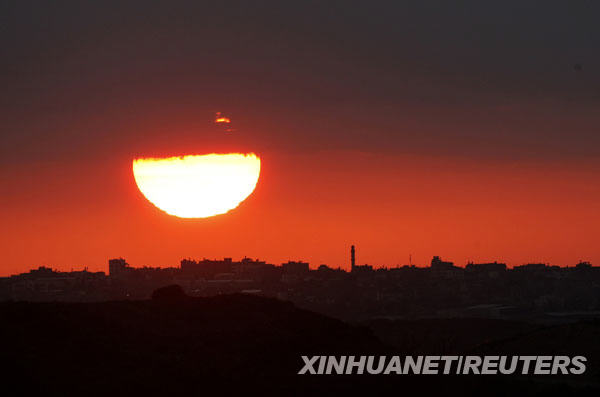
(466, 131)
(67, 214)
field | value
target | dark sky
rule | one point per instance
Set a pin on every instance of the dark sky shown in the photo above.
(461, 129)
(457, 78)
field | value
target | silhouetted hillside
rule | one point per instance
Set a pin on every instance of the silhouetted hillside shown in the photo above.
(177, 345)
(165, 344)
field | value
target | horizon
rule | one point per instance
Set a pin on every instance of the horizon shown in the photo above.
(312, 266)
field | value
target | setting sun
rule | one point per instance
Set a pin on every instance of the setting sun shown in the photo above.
(197, 186)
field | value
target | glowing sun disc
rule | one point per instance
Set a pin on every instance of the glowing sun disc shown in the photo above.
(197, 186)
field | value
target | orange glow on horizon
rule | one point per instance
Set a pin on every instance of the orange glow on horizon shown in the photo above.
(309, 206)
(197, 186)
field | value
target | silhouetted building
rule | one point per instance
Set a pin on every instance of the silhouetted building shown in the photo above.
(584, 265)
(531, 267)
(249, 265)
(292, 267)
(209, 269)
(438, 264)
(486, 267)
(362, 268)
(205, 268)
(118, 267)
(352, 258)
(325, 269)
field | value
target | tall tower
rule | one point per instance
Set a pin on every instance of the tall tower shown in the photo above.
(352, 258)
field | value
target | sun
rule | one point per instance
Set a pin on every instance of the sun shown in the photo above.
(197, 186)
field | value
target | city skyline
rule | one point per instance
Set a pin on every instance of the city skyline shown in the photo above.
(535, 291)
(346, 267)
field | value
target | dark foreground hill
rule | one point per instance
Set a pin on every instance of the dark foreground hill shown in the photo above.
(175, 345)
(169, 344)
